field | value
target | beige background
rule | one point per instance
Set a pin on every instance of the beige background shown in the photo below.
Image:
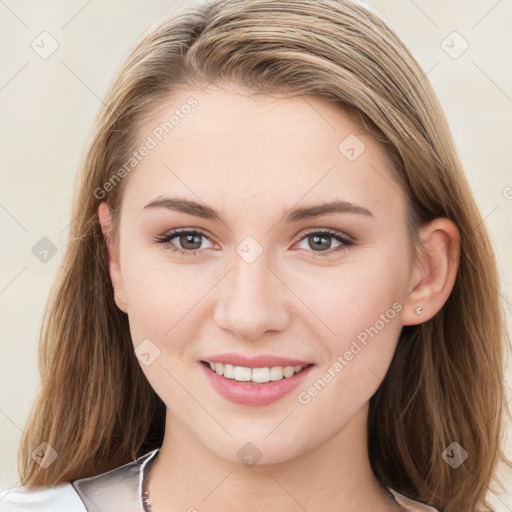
(48, 106)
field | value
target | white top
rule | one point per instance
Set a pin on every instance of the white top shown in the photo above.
(65, 498)
(59, 498)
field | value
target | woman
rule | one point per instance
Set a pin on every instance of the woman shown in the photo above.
(278, 291)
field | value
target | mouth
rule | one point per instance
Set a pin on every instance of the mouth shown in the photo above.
(259, 375)
(254, 386)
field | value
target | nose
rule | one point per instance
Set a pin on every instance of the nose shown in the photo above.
(253, 300)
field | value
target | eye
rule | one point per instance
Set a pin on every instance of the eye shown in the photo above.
(321, 242)
(189, 240)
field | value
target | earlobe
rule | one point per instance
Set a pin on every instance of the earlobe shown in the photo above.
(435, 273)
(114, 267)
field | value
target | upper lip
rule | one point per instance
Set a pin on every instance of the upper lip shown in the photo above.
(261, 361)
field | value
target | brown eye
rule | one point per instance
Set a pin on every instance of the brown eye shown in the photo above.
(184, 241)
(322, 241)
(191, 242)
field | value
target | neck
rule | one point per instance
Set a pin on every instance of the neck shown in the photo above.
(335, 475)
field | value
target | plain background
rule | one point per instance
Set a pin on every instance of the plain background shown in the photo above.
(48, 106)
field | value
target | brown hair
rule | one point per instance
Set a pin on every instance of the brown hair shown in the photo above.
(445, 383)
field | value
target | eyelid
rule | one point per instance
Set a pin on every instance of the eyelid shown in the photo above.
(333, 232)
(346, 240)
(173, 233)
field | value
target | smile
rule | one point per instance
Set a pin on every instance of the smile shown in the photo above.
(258, 386)
(257, 375)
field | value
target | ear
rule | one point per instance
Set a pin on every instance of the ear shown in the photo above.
(114, 267)
(435, 272)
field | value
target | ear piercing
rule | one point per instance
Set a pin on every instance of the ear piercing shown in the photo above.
(418, 310)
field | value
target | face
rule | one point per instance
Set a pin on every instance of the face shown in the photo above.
(269, 275)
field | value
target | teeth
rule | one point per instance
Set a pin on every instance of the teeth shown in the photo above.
(229, 371)
(276, 373)
(258, 375)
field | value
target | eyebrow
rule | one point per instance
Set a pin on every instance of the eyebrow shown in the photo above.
(297, 214)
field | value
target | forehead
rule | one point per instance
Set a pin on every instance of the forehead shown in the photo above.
(228, 146)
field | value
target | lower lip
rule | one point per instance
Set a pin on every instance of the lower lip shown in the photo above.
(249, 393)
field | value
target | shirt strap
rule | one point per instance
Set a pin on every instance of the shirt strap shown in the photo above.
(118, 489)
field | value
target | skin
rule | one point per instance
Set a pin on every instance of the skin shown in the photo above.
(254, 158)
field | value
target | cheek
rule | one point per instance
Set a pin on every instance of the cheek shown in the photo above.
(360, 308)
(347, 298)
(165, 297)
(354, 295)
(367, 325)
(156, 297)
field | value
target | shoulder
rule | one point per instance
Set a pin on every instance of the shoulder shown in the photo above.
(411, 505)
(58, 498)
(118, 489)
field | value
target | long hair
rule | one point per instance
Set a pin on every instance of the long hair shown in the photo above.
(445, 384)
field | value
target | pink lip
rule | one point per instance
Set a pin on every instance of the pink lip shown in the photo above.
(262, 361)
(250, 393)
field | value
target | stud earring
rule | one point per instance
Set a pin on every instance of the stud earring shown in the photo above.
(418, 310)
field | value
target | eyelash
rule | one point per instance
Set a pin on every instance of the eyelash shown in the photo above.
(346, 242)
